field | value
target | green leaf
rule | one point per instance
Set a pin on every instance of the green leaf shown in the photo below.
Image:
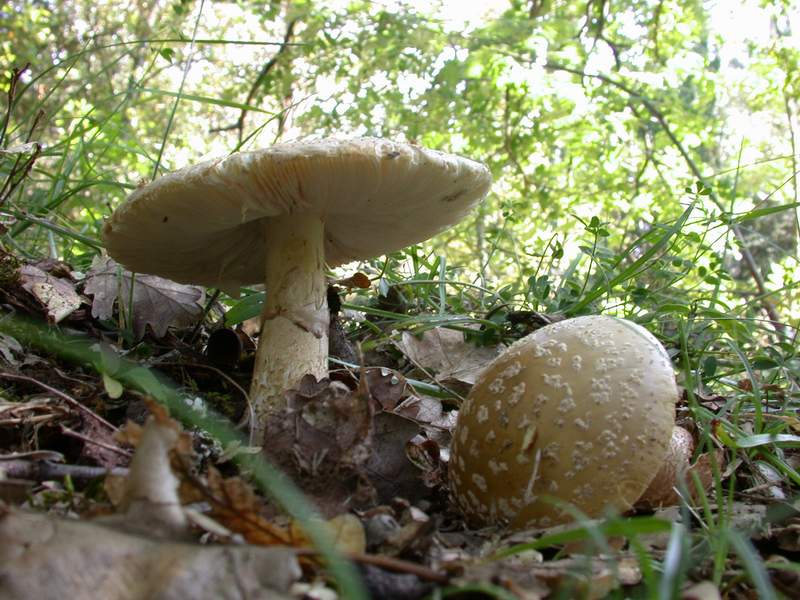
(207, 100)
(764, 439)
(762, 362)
(248, 307)
(167, 54)
(114, 388)
(763, 212)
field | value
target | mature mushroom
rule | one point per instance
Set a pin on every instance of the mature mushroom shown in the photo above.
(277, 216)
(577, 415)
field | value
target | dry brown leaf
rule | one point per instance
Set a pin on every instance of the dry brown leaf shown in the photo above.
(386, 387)
(57, 296)
(388, 467)
(785, 579)
(346, 532)
(322, 440)
(357, 280)
(455, 361)
(787, 537)
(9, 347)
(157, 302)
(49, 558)
(428, 412)
(235, 505)
(576, 577)
(138, 553)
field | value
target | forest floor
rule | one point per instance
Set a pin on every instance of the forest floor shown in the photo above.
(368, 448)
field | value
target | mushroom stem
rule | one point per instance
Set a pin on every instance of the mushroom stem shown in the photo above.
(294, 334)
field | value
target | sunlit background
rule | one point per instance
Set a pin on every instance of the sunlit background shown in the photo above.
(578, 113)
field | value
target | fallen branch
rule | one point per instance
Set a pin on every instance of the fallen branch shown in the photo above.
(45, 470)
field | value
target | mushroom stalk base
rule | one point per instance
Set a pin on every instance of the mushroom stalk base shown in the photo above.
(294, 334)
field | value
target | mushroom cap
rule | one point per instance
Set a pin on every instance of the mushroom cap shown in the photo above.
(577, 413)
(202, 224)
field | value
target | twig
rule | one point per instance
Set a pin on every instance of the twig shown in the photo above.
(12, 92)
(18, 173)
(265, 70)
(507, 134)
(401, 566)
(793, 145)
(84, 438)
(206, 310)
(752, 267)
(390, 563)
(17, 176)
(65, 397)
(46, 470)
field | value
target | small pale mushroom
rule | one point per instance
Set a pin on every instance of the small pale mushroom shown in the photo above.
(661, 491)
(677, 470)
(577, 415)
(278, 216)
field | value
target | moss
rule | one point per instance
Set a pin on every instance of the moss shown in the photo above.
(227, 404)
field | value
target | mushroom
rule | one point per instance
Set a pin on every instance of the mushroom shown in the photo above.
(575, 416)
(661, 489)
(277, 216)
(677, 469)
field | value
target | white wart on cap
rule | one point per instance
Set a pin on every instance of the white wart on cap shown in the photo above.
(579, 413)
(278, 216)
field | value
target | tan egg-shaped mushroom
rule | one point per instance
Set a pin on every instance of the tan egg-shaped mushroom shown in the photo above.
(579, 413)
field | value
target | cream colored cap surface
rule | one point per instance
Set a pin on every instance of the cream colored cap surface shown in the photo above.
(578, 413)
(202, 224)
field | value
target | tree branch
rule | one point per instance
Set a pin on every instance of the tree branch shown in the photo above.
(793, 144)
(259, 81)
(750, 262)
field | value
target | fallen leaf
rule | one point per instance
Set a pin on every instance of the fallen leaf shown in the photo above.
(56, 295)
(386, 387)
(357, 280)
(769, 479)
(345, 530)
(235, 505)
(575, 577)
(9, 346)
(390, 471)
(784, 575)
(42, 556)
(787, 537)
(413, 534)
(455, 362)
(348, 533)
(157, 302)
(323, 439)
(428, 412)
(138, 552)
